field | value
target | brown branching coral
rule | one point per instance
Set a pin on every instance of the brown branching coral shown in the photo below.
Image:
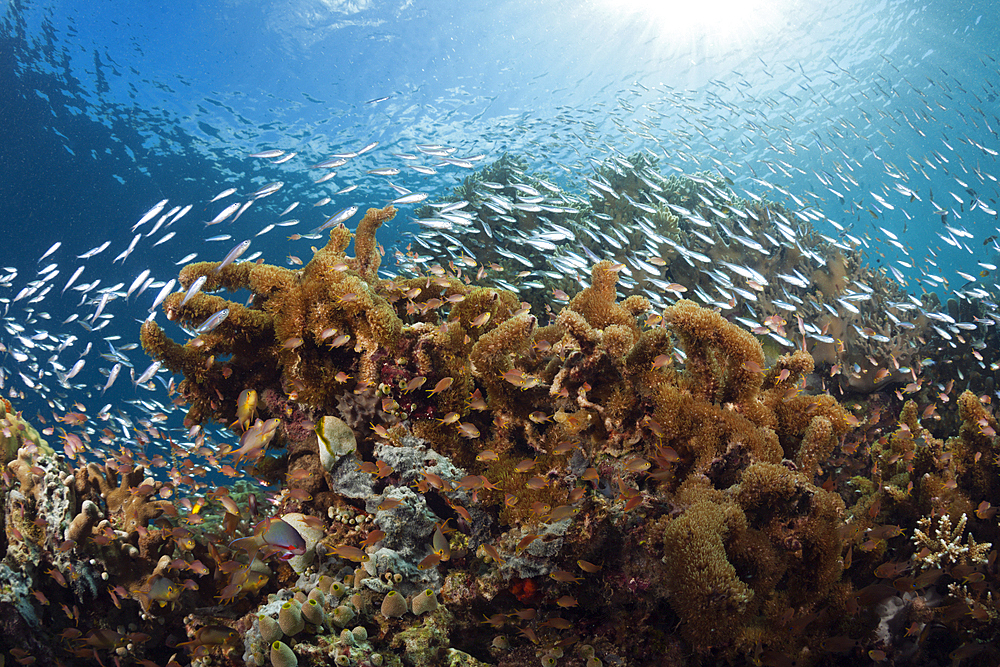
(716, 400)
(801, 520)
(977, 448)
(366, 253)
(723, 361)
(771, 537)
(598, 304)
(491, 358)
(579, 422)
(706, 592)
(125, 499)
(280, 339)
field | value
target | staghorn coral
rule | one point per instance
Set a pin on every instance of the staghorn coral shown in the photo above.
(945, 546)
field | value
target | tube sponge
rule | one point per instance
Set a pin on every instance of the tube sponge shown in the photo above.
(290, 618)
(324, 582)
(270, 632)
(317, 594)
(342, 615)
(312, 611)
(282, 656)
(393, 605)
(424, 601)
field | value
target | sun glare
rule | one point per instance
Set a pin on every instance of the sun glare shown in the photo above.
(724, 20)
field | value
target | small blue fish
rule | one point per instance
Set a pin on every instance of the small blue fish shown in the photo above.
(273, 153)
(233, 255)
(337, 218)
(213, 321)
(194, 289)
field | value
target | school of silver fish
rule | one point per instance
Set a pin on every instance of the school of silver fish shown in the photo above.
(761, 191)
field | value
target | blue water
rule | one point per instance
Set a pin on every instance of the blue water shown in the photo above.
(110, 107)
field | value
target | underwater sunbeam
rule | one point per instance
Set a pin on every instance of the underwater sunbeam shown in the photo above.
(721, 21)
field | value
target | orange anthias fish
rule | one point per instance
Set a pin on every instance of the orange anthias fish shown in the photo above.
(246, 406)
(255, 439)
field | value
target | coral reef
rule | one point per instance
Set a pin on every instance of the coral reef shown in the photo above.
(333, 301)
(574, 433)
(691, 233)
(462, 478)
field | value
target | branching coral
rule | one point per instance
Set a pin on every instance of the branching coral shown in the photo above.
(706, 591)
(567, 433)
(279, 340)
(723, 361)
(945, 546)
